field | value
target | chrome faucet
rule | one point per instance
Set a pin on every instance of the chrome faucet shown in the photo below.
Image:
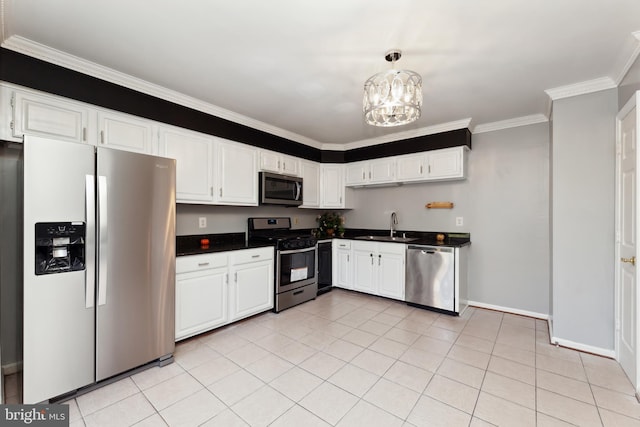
(394, 222)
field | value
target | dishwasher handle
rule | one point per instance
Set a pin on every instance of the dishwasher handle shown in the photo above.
(430, 249)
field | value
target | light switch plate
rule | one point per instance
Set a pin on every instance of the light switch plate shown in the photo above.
(202, 222)
(459, 221)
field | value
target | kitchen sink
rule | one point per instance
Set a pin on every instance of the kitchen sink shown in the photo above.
(387, 238)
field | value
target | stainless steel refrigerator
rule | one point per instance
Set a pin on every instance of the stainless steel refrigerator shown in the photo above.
(99, 264)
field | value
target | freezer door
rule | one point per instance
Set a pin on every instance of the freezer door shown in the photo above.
(136, 260)
(58, 314)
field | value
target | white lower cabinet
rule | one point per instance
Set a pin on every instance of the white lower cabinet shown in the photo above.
(201, 293)
(379, 268)
(252, 284)
(216, 289)
(343, 264)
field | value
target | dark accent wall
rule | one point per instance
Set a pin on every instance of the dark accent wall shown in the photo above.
(36, 74)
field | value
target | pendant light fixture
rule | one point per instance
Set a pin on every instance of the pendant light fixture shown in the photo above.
(394, 97)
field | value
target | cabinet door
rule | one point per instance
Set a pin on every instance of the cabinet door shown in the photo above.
(201, 301)
(357, 173)
(289, 166)
(125, 132)
(364, 267)
(344, 277)
(236, 174)
(251, 289)
(48, 116)
(446, 164)
(343, 263)
(391, 270)
(269, 161)
(382, 170)
(411, 167)
(194, 164)
(310, 173)
(332, 188)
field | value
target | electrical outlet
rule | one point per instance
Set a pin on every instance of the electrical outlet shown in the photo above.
(296, 220)
(202, 222)
(459, 221)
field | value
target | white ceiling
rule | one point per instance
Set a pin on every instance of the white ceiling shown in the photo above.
(297, 68)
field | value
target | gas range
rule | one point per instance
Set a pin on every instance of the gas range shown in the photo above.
(295, 263)
(277, 231)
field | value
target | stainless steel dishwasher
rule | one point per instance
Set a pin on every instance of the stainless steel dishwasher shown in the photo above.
(430, 277)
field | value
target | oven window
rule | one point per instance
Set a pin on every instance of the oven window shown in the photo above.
(297, 266)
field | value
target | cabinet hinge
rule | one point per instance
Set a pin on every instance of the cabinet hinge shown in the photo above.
(420, 169)
(11, 125)
(12, 101)
(211, 190)
(101, 137)
(84, 134)
(235, 277)
(220, 191)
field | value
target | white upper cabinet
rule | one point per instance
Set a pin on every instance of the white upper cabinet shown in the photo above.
(382, 170)
(412, 167)
(125, 132)
(49, 116)
(371, 172)
(194, 163)
(356, 173)
(310, 172)
(236, 174)
(445, 164)
(449, 163)
(332, 194)
(279, 163)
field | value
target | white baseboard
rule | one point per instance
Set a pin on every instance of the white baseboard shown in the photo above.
(584, 347)
(509, 310)
(554, 340)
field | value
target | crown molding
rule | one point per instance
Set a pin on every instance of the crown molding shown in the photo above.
(581, 88)
(633, 56)
(54, 56)
(429, 130)
(510, 123)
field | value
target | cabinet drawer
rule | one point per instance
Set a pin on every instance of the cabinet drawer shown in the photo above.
(252, 255)
(188, 263)
(343, 244)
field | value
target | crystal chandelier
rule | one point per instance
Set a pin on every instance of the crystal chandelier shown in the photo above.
(394, 97)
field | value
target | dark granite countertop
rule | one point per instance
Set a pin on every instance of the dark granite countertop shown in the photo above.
(190, 245)
(422, 237)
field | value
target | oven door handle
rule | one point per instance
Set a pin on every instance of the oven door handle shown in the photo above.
(297, 251)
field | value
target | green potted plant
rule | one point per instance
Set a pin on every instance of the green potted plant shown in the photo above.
(330, 224)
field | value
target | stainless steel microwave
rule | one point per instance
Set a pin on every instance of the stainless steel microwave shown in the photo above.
(278, 189)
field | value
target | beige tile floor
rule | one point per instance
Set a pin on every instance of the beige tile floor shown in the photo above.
(348, 359)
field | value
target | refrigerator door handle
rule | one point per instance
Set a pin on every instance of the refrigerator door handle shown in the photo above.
(90, 242)
(103, 242)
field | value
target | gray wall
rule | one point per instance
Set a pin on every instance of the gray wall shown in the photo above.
(583, 168)
(630, 84)
(505, 206)
(233, 219)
